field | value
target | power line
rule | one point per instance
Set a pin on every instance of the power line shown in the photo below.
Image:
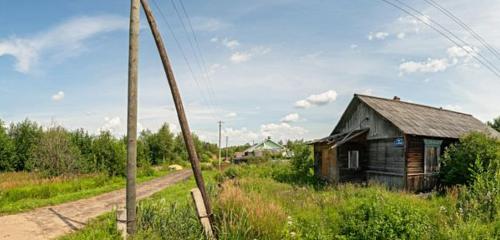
(195, 52)
(492, 69)
(465, 26)
(204, 98)
(197, 44)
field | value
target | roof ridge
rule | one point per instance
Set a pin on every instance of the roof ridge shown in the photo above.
(410, 103)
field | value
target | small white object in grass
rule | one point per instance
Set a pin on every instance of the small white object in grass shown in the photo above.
(175, 167)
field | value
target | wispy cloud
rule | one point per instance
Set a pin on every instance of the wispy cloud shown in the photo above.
(58, 96)
(207, 24)
(239, 57)
(63, 40)
(378, 35)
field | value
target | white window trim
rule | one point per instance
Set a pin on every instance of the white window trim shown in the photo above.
(349, 159)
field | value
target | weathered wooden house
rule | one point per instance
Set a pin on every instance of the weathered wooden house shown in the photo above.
(258, 150)
(390, 141)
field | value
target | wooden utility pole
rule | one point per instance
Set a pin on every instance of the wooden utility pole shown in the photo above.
(220, 143)
(186, 132)
(227, 139)
(132, 116)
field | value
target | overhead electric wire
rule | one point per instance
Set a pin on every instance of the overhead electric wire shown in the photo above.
(196, 51)
(465, 26)
(469, 51)
(204, 63)
(491, 68)
(204, 98)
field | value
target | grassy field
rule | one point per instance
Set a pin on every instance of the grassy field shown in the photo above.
(168, 214)
(265, 202)
(22, 191)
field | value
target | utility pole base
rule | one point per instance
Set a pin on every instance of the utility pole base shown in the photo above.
(202, 213)
(121, 221)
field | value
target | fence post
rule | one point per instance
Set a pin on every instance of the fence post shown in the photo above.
(201, 211)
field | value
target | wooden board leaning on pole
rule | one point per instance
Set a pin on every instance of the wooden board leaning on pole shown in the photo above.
(186, 132)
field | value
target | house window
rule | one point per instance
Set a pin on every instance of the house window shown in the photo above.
(353, 159)
(431, 155)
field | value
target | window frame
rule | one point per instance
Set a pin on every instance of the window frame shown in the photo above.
(349, 159)
(432, 144)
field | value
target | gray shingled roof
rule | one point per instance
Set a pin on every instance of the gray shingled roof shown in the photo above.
(423, 120)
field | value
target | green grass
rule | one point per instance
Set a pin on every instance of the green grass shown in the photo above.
(167, 214)
(264, 202)
(33, 191)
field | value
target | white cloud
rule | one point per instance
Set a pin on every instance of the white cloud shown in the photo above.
(401, 35)
(282, 131)
(113, 125)
(317, 99)
(428, 66)
(58, 96)
(61, 41)
(214, 39)
(239, 57)
(214, 68)
(353, 46)
(378, 35)
(466, 53)
(231, 115)
(231, 44)
(240, 136)
(292, 117)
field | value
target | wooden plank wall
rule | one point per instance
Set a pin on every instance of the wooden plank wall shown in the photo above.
(385, 156)
(417, 181)
(355, 118)
(346, 174)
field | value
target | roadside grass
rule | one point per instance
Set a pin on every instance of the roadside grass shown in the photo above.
(168, 214)
(23, 191)
(267, 201)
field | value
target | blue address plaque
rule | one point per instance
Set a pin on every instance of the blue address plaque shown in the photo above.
(399, 142)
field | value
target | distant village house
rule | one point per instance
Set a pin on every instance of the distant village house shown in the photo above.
(259, 150)
(391, 141)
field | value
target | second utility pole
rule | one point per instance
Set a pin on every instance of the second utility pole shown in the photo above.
(179, 107)
(220, 144)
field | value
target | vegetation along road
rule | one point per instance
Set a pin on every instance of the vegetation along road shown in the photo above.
(53, 221)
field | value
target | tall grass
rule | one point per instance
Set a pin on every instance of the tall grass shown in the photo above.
(23, 191)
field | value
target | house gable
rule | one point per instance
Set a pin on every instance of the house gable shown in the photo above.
(359, 115)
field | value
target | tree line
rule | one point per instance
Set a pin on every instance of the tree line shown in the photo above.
(26, 146)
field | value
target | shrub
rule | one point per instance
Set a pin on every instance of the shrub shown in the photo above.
(458, 162)
(109, 154)
(25, 135)
(301, 161)
(55, 153)
(481, 200)
(7, 151)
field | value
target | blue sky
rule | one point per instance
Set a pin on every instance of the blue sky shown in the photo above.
(283, 68)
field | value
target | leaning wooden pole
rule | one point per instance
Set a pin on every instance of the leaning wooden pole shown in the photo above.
(132, 116)
(186, 132)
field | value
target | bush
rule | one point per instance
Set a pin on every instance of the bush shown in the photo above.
(458, 162)
(55, 153)
(302, 161)
(26, 136)
(7, 151)
(109, 154)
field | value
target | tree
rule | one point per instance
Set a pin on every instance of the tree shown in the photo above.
(160, 145)
(7, 150)
(25, 135)
(459, 160)
(55, 153)
(109, 154)
(302, 160)
(82, 139)
(495, 124)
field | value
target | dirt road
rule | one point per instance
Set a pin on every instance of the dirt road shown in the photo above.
(54, 221)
